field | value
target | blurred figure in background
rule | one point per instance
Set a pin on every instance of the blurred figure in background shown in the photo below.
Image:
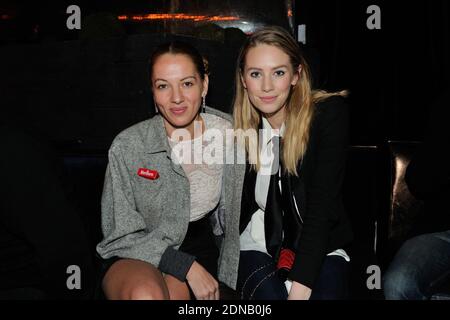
(422, 264)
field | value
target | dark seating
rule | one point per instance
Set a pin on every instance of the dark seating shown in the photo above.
(380, 207)
(363, 187)
(379, 204)
(85, 173)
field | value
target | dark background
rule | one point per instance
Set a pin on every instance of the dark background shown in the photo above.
(394, 73)
(85, 86)
(78, 89)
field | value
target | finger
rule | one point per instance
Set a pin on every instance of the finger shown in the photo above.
(199, 296)
(212, 294)
(205, 295)
(217, 291)
(217, 294)
(209, 295)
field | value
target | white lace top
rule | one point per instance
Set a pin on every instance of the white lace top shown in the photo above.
(202, 161)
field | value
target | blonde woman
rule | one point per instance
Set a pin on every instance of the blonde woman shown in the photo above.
(293, 227)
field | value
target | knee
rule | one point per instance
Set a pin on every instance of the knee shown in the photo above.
(403, 277)
(399, 285)
(390, 285)
(143, 291)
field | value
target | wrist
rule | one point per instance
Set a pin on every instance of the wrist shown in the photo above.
(191, 270)
(299, 291)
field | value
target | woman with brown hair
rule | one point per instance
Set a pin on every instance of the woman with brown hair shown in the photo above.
(171, 223)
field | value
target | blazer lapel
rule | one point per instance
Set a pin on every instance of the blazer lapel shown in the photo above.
(156, 142)
(273, 217)
(248, 202)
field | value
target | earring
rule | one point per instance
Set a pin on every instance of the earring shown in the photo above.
(156, 108)
(203, 104)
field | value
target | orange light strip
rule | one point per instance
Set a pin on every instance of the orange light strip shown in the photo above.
(176, 16)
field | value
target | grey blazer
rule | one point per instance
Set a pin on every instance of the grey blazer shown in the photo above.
(147, 219)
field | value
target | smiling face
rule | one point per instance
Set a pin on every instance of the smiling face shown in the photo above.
(268, 76)
(177, 91)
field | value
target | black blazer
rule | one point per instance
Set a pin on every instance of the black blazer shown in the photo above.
(316, 192)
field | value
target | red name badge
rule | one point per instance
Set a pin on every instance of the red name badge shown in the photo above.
(148, 174)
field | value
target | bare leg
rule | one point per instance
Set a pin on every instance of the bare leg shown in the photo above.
(177, 290)
(129, 279)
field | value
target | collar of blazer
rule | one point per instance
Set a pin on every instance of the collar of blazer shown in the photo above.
(156, 139)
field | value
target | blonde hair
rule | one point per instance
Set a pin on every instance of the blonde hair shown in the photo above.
(299, 106)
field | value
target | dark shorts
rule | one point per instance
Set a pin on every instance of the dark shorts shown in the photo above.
(199, 242)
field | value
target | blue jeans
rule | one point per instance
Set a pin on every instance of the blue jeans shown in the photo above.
(258, 278)
(420, 266)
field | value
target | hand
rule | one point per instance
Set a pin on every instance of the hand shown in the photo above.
(202, 283)
(299, 292)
